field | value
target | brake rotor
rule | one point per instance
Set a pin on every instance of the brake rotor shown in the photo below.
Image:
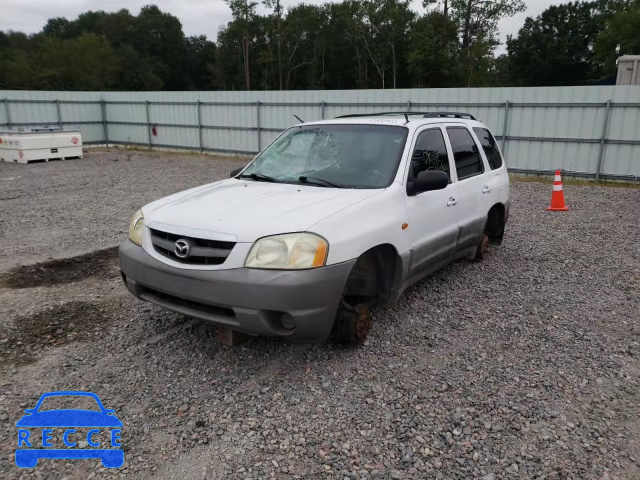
(363, 321)
(483, 248)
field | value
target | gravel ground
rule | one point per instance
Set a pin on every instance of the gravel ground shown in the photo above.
(526, 365)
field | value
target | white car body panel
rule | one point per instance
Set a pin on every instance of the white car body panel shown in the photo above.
(224, 207)
(353, 230)
(352, 220)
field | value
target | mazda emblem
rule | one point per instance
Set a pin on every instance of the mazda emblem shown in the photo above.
(182, 248)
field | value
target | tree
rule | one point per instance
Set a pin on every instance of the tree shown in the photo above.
(200, 64)
(478, 24)
(159, 36)
(277, 13)
(139, 72)
(433, 50)
(388, 22)
(556, 48)
(346, 48)
(346, 45)
(623, 29)
(87, 62)
(302, 35)
(56, 27)
(480, 17)
(430, 3)
(244, 12)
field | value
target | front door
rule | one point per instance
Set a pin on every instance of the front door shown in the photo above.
(433, 223)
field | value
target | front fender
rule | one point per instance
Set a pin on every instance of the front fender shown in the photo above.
(376, 220)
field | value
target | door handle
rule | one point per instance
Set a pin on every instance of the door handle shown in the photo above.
(452, 201)
(486, 189)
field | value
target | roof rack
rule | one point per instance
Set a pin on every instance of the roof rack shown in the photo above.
(377, 114)
(423, 114)
(449, 114)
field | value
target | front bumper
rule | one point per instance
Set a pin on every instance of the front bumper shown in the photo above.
(257, 302)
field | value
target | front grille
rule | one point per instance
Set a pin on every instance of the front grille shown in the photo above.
(202, 251)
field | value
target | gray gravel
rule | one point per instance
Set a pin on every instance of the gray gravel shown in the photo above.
(62, 208)
(526, 365)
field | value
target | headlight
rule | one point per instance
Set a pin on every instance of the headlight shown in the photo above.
(135, 228)
(289, 251)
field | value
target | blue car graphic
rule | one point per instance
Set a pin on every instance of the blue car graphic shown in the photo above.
(68, 418)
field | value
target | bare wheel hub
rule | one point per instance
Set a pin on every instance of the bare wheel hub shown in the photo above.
(363, 321)
(482, 248)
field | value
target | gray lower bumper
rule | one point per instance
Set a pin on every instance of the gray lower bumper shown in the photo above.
(257, 302)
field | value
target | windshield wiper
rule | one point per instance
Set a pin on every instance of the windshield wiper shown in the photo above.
(259, 177)
(315, 180)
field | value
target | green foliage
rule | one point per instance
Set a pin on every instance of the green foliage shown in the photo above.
(433, 52)
(573, 43)
(87, 62)
(556, 48)
(109, 51)
(623, 29)
(346, 45)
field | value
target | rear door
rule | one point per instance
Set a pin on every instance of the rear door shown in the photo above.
(497, 179)
(471, 173)
(433, 224)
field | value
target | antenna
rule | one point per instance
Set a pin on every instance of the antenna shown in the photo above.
(299, 119)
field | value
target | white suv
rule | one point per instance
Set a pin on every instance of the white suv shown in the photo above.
(331, 218)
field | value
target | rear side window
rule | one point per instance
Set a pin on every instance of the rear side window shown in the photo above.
(489, 146)
(465, 153)
(430, 153)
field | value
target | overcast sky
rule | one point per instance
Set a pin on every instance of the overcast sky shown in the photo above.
(198, 17)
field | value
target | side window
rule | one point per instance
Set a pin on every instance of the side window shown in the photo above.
(465, 153)
(489, 146)
(430, 153)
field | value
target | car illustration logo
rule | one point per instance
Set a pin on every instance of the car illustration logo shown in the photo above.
(36, 433)
(182, 248)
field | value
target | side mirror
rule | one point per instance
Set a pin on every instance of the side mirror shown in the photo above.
(235, 172)
(427, 181)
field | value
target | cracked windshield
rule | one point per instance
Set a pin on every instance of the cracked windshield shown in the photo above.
(348, 156)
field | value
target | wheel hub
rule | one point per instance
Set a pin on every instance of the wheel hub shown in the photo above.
(363, 321)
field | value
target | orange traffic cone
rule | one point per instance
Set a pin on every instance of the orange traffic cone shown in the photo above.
(557, 196)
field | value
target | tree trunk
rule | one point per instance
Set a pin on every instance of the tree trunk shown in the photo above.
(393, 63)
(466, 41)
(246, 63)
(446, 8)
(279, 45)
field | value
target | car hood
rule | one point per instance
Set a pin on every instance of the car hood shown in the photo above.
(247, 210)
(69, 418)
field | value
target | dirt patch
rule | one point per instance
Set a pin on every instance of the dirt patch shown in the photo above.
(100, 263)
(54, 326)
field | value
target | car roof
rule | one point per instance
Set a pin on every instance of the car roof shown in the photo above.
(408, 119)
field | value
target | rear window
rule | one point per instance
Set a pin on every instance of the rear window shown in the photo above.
(489, 146)
(465, 153)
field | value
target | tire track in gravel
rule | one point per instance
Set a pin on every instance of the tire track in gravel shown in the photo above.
(479, 369)
(75, 321)
(99, 263)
